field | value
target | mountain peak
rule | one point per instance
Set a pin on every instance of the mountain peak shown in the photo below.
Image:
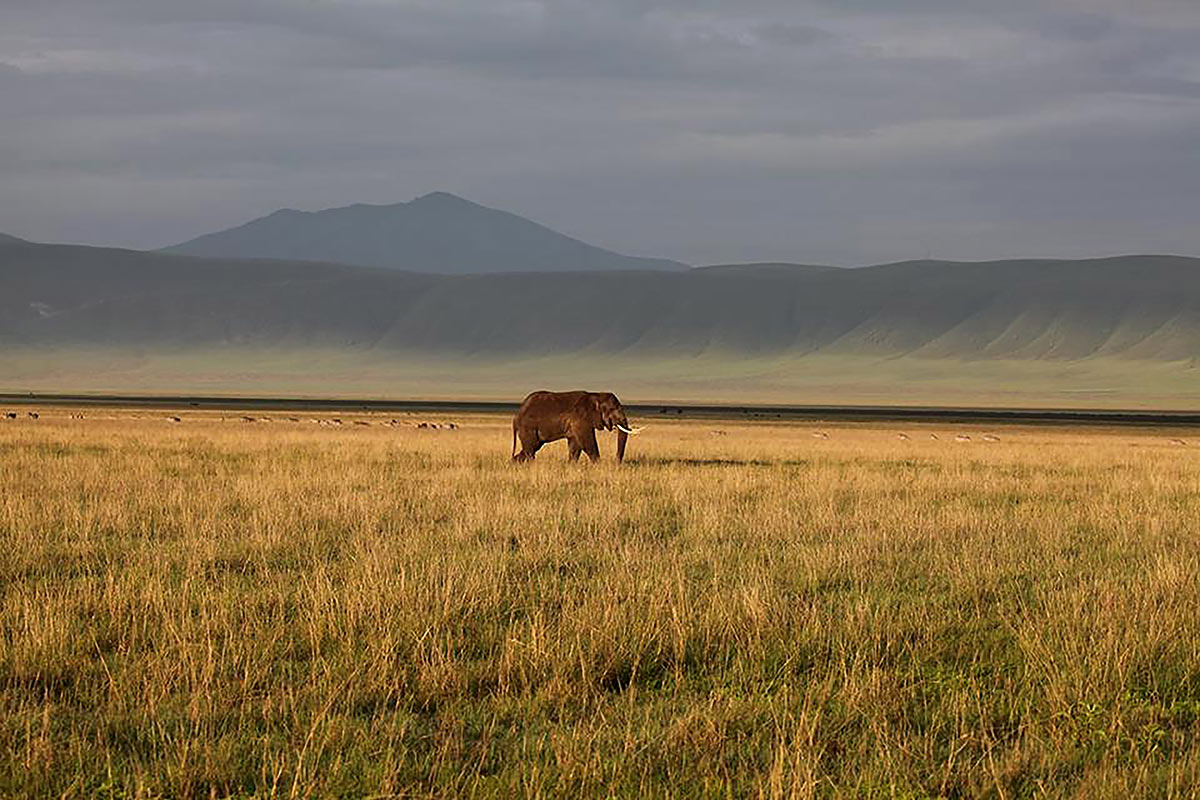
(448, 203)
(437, 232)
(442, 196)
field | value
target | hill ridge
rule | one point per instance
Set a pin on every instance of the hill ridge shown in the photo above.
(1145, 307)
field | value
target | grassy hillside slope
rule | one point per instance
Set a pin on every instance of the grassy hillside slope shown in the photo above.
(1125, 327)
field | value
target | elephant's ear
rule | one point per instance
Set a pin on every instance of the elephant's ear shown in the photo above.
(608, 409)
(588, 408)
(597, 418)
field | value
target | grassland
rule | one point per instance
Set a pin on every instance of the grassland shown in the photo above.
(730, 377)
(210, 608)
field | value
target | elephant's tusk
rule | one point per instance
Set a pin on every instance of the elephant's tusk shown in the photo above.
(633, 432)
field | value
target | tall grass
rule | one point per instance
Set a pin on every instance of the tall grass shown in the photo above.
(218, 608)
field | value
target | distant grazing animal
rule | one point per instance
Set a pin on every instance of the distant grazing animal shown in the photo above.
(962, 437)
(33, 415)
(933, 436)
(575, 416)
(1178, 442)
(174, 419)
(248, 419)
(903, 437)
(10, 415)
(820, 435)
(991, 437)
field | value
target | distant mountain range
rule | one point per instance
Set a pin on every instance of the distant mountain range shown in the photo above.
(437, 233)
(1136, 307)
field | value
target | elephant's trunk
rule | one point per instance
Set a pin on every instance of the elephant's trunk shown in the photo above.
(622, 437)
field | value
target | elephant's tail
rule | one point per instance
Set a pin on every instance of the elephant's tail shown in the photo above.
(514, 447)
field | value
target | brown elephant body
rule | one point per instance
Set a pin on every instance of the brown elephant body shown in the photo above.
(575, 416)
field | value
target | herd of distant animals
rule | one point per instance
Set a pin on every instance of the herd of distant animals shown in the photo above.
(447, 426)
(543, 417)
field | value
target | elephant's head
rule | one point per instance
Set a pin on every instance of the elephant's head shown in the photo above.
(609, 415)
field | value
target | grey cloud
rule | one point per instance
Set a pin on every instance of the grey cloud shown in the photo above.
(792, 35)
(843, 131)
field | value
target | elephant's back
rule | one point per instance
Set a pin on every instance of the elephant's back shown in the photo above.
(544, 399)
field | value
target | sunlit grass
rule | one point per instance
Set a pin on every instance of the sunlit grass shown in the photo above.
(217, 607)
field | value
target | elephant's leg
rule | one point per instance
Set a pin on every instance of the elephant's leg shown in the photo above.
(589, 445)
(574, 449)
(530, 444)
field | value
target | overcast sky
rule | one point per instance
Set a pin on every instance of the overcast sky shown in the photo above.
(833, 131)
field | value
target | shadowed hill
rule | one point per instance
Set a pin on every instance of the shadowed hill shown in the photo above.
(1145, 307)
(438, 233)
(762, 266)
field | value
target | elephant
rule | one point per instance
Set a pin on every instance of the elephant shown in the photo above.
(575, 416)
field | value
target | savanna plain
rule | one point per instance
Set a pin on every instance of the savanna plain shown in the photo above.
(284, 608)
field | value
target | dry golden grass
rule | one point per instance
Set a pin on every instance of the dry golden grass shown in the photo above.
(287, 609)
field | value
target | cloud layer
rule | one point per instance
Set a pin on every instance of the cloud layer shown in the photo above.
(846, 132)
